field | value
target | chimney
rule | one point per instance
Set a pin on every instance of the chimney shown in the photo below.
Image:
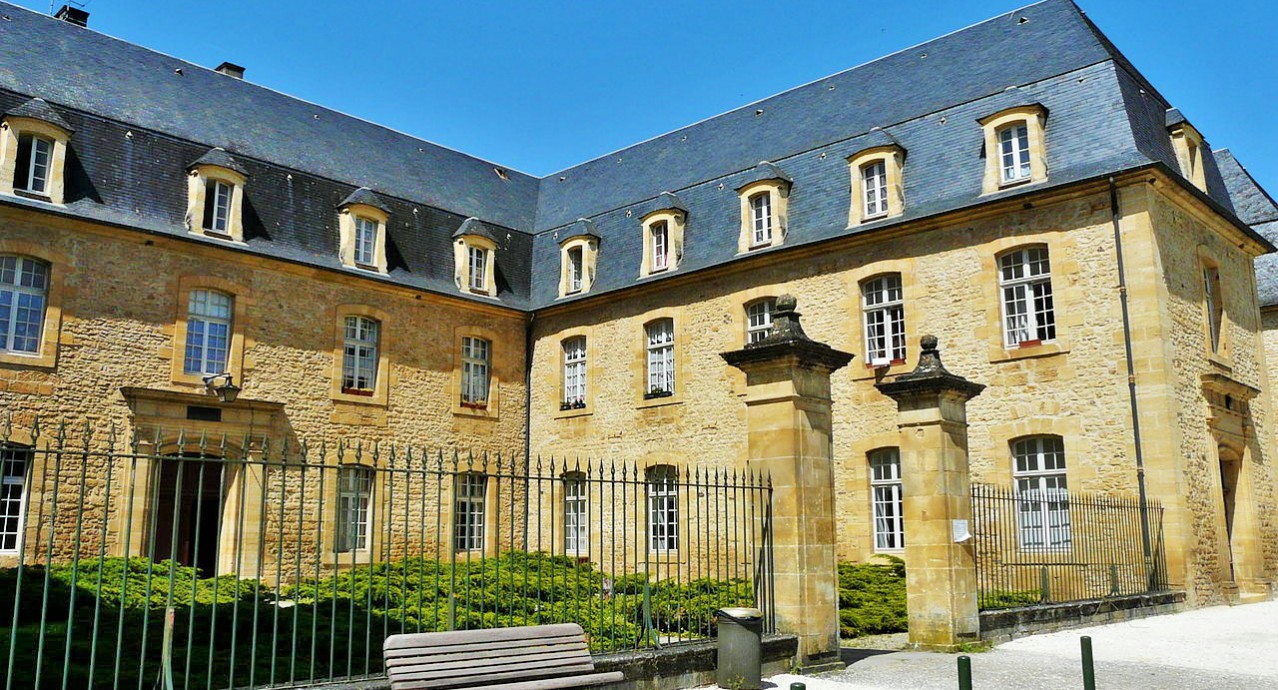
(73, 15)
(230, 69)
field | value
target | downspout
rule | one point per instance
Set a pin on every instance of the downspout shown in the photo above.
(528, 357)
(1131, 383)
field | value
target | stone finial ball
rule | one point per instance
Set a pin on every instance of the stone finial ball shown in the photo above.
(928, 342)
(786, 303)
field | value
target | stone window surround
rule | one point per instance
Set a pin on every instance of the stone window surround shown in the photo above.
(589, 247)
(347, 218)
(1223, 354)
(461, 263)
(59, 265)
(346, 559)
(1063, 264)
(675, 220)
(1034, 117)
(893, 159)
(640, 366)
(860, 368)
(11, 129)
(495, 371)
(197, 182)
(240, 300)
(780, 198)
(381, 388)
(593, 372)
(1188, 144)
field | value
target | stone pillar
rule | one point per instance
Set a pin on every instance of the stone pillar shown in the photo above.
(788, 407)
(940, 563)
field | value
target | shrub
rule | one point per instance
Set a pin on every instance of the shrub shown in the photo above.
(872, 598)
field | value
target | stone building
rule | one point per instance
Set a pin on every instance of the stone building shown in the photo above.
(168, 230)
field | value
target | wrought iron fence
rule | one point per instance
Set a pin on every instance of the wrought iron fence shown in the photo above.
(289, 565)
(1045, 546)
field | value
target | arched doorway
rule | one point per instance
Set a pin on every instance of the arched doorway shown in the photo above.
(190, 494)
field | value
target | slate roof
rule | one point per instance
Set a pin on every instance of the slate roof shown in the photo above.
(143, 116)
(367, 197)
(1255, 207)
(220, 158)
(39, 109)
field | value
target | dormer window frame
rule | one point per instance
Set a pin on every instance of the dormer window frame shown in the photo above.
(673, 221)
(891, 158)
(353, 219)
(578, 257)
(474, 257)
(764, 211)
(1188, 144)
(1033, 118)
(17, 133)
(206, 178)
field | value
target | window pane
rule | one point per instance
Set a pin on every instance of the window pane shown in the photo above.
(661, 377)
(660, 243)
(576, 527)
(475, 365)
(761, 214)
(1042, 492)
(759, 319)
(663, 508)
(354, 498)
(885, 483)
(575, 371)
(23, 285)
(14, 464)
(365, 241)
(469, 492)
(208, 332)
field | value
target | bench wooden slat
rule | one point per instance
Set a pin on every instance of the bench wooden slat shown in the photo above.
(505, 644)
(453, 679)
(458, 637)
(543, 684)
(479, 660)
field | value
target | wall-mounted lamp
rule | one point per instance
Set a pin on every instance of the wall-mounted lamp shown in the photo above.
(226, 391)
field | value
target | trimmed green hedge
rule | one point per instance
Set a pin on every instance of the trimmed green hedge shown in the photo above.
(872, 598)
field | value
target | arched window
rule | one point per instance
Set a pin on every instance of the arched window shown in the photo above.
(1029, 312)
(759, 319)
(15, 464)
(1042, 492)
(24, 288)
(661, 358)
(208, 332)
(662, 488)
(883, 304)
(885, 484)
(1014, 152)
(354, 501)
(576, 512)
(359, 355)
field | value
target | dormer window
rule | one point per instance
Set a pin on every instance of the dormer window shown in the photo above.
(574, 270)
(876, 182)
(579, 248)
(659, 242)
(474, 251)
(362, 226)
(478, 260)
(1188, 145)
(33, 146)
(215, 195)
(763, 208)
(1015, 147)
(662, 235)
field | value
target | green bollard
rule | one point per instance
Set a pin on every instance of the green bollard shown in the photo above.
(798, 686)
(965, 672)
(1089, 673)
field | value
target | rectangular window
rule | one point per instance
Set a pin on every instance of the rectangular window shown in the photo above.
(24, 285)
(885, 484)
(359, 355)
(761, 215)
(35, 156)
(217, 206)
(1042, 494)
(663, 508)
(365, 241)
(14, 464)
(661, 374)
(574, 373)
(354, 498)
(478, 268)
(575, 280)
(1215, 307)
(883, 304)
(759, 320)
(1029, 314)
(576, 505)
(469, 492)
(874, 188)
(475, 365)
(1014, 156)
(208, 332)
(660, 245)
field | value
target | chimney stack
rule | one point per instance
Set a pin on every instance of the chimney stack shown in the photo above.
(73, 15)
(230, 69)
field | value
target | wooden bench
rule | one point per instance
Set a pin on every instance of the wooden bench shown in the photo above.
(527, 658)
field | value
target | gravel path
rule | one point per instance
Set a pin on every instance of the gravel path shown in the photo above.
(1221, 648)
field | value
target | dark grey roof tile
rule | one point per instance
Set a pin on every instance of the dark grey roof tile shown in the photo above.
(220, 158)
(38, 109)
(365, 196)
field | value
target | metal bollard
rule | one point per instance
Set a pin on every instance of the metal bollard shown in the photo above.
(798, 686)
(1089, 673)
(965, 672)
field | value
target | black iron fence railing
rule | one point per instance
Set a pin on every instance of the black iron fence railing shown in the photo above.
(289, 565)
(1035, 544)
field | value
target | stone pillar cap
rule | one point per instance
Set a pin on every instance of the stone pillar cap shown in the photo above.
(929, 375)
(787, 339)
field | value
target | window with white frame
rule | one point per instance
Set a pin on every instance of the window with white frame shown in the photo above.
(359, 354)
(34, 162)
(761, 219)
(759, 319)
(575, 269)
(1029, 314)
(874, 189)
(208, 332)
(24, 291)
(14, 467)
(354, 501)
(885, 487)
(883, 304)
(576, 511)
(660, 243)
(662, 487)
(217, 206)
(469, 494)
(1215, 307)
(661, 358)
(1042, 495)
(1014, 153)
(574, 373)
(476, 361)
(365, 241)
(478, 261)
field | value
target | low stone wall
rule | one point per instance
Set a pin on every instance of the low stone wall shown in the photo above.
(1003, 625)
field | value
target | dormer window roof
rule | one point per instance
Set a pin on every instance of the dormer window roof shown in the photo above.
(365, 197)
(474, 227)
(582, 227)
(220, 158)
(39, 109)
(761, 172)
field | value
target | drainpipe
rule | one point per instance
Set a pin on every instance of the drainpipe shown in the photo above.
(528, 358)
(1131, 381)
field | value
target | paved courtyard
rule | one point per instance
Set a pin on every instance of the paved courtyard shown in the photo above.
(1222, 648)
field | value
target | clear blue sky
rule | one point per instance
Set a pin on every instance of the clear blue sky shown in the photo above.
(539, 86)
